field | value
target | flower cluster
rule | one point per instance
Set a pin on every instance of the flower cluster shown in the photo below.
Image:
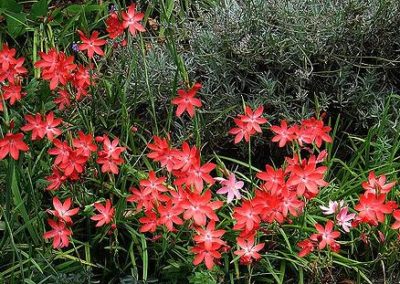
(373, 204)
(372, 208)
(309, 131)
(76, 151)
(12, 72)
(70, 160)
(61, 232)
(186, 197)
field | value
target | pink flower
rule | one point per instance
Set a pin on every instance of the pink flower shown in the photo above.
(230, 187)
(332, 208)
(344, 219)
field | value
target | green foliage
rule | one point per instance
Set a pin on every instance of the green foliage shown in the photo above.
(296, 58)
(201, 278)
(276, 54)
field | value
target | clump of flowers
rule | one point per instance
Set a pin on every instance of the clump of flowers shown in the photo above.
(215, 211)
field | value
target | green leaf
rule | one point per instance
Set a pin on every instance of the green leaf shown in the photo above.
(39, 9)
(74, 9)
(94, 8)
(11, 6)
(20, 204)
(16, 23)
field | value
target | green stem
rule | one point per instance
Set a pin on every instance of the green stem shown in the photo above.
(250, 167)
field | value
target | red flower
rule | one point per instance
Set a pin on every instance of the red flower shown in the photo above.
(315, 131)
(143, 201)
(248, 250)
(159, 148)
(61, 150)
(270, 206)
(111, 149)
(185, 158)
(307, 178)
(12, 144)
(7, 57)
(291, 204)
(106, 213)
(80, 93)
(84, 144)
(209, 237)
(396, 224)
(178, 196)
(199, 207)
(109, 157)
(186, 100)
(153, 185)
(253, 119)
(131, 20)
(56, 180)
(248, 124)
(274, 179)
(196, 175)
(307, 246)
(49, 61)
(114, 26)
(109, 164)
(91, 45)
(377, 185)
(283, 133)
(149, 222)
(60, 234)
(14, 72)
(74, 164)
(326, 236)
(13, 92)
(63, 99)
(63, 211)
(56, 67)
(50, 126)
(169, 215)
(242, 131)
(372, 208)
(170, 159)
(208, 256)
(246, 217)
(82, 77)
(36, 125)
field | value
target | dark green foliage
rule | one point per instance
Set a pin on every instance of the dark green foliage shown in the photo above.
(291, 55)
(297, 58)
